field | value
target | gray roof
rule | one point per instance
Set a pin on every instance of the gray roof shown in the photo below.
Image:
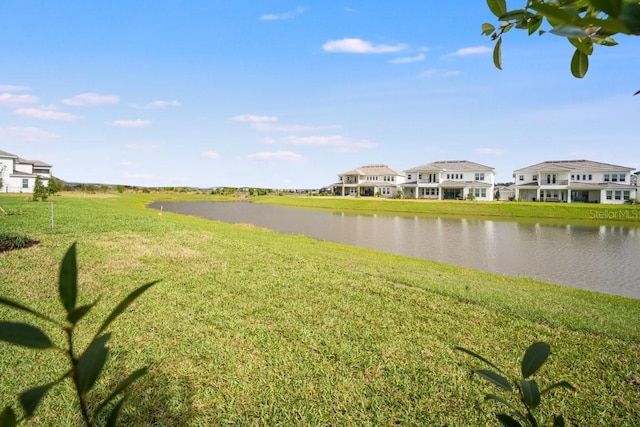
(6, 154)
(373, 170)
(451, 165)
(572, 166)
(32, 162)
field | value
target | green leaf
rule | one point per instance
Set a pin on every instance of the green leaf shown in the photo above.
(560, 384)
(531, 393)
(584, 45)
(91, 363)
(610, 7)
(508, 421)
(494, 378)
(499, 399)
(8, 418)
(68, 284)
(487, 29)
(31, 398)
(534, 23)
(579, 64)
(477, 356)
(24, 335)
(78, 313)
(572, 31)
(497, 7)
(497, 54)
(122, 386)
(513, 15)
(534, 357)
(18, 306)
(115, 413)
(630, 17)
(555, 15)
(124, 304)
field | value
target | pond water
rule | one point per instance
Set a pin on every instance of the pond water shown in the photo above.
(600, 258)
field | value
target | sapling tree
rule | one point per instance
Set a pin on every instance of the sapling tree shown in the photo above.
(85, 366)
(526, 389)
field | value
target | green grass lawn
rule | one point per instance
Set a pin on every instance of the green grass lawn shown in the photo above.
(251, 327)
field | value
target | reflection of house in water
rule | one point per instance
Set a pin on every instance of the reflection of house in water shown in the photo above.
(575, 181)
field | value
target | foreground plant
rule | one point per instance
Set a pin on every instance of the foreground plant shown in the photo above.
(84, 367)
(527, 391)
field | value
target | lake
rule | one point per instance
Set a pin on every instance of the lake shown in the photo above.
(600, 258)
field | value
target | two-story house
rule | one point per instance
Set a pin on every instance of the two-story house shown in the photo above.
(369, 180)
(450, 179)
(18, 175)
(574, 181)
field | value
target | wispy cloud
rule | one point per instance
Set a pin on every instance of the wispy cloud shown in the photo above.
(12, 100)
(287, 156)
(211, 154)
(126, 164)
(90, 99)
(282, 16)
(13, 88)
(475, 50)
(408, 59)
(143, 146)
(156, 105)
(438, 73)
(137, 123)
(361, 47)
(45, 112)
(26, 134)
(338, 142)
(250, 118)
(488, 151)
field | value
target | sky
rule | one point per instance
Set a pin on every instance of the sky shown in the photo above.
(287, 94)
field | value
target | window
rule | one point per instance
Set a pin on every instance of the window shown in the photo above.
(419, 176)
(521, 178)
(25, 183)
(625, 195)
(573, 177)
(590, 177)
(622, 177)
(480, 176)
(606, 177)
(535, 177)
(385, 190)
(448, 176)
(409, 177)
(614, 177)
(609, 194)
(577, 177)
(584, 177)
(618, 194)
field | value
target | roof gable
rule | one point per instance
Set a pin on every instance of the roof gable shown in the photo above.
(451, 165)
(571, 166)
(373, 170)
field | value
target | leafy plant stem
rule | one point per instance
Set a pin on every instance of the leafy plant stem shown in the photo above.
(76, 381)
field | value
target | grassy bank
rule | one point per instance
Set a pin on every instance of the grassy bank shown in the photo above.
(563, 212)
(251, 327)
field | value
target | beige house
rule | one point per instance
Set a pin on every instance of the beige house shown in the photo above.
(18, 175)
(450, 179)
(368, 181)
(569, 181)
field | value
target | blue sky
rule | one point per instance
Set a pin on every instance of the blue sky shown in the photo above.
(285, 94)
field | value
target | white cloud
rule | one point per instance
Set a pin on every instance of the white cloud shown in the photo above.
(361, 46)
(156, 105)
(142, 146)
(282, 16)
(408, 59)
(250, 118)
(26, 134)
(338, 142)
(45, 112)
(130, 123)
(269, 127)
(211, 154)
(277, 155)
(475, 50)
(11, 100)
(438, 73)
(489, 151)
(13, 88)
(87, 99)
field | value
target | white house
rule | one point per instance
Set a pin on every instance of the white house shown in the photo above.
(574, 181)
(450, 179)
(18, 175)
(369, 180)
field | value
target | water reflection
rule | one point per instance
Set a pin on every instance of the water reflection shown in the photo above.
(601, 258)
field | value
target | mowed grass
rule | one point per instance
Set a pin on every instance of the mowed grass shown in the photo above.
(252, 327)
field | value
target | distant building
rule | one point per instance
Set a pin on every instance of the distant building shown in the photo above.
(19, 175)
(450, 179)
(506, 192)
(369, 181)
(574, 181)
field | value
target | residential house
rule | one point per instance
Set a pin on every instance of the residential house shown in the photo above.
(574, 181)
(450, 179)
(369, 180)
(18, 175)
(506, 192)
